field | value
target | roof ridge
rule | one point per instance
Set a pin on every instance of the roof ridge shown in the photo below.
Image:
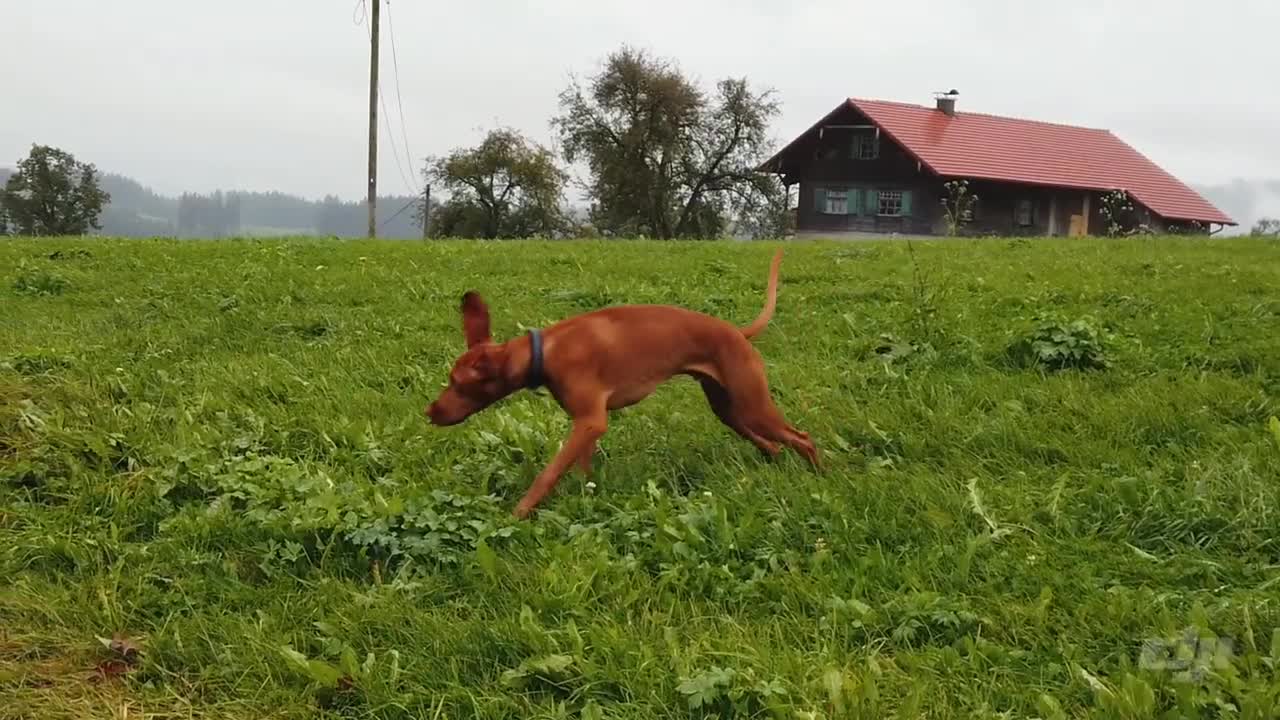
(917, 106)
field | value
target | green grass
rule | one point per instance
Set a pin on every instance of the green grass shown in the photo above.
(218, 451)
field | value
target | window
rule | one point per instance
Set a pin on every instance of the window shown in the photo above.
(837, 202)
(887, 203)
(865, 147)
(890, 203)
(1024, 215)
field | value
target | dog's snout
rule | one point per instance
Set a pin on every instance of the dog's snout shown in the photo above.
(443, 415)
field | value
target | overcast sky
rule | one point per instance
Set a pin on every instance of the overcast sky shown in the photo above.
(271, 94)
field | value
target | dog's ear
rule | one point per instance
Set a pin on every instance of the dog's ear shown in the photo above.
(475, 319)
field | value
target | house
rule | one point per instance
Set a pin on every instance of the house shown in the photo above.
(872, 166)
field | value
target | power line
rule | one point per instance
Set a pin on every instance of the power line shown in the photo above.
(360, 18)
(395, 150)
(395, 67)
(397, 214)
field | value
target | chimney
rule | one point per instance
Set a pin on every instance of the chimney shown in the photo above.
(946, 101)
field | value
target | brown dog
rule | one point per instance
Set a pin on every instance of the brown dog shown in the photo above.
(614, 357)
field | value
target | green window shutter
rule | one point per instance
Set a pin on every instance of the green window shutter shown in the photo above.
(855, 197)
(820, 199)
(906, 203)
(875, 146)
(855, 145)
(871, 201)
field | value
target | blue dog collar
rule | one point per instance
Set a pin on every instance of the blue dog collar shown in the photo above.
(535, 377)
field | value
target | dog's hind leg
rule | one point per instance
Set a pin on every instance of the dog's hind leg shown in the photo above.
(772, 425)
(754, 410)
(721, 404)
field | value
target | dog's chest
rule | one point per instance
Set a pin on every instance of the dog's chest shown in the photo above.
(632, 393)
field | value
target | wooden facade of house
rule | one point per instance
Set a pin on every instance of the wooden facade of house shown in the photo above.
(875, 167)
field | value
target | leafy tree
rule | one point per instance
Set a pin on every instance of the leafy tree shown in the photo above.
(766, 213)
(507, 186)
(665, 158)
(52, 193)
(456, 218)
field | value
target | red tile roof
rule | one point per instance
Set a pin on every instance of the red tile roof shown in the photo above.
(978, 146)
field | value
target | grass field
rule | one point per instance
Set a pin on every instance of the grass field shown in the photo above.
(215, 453)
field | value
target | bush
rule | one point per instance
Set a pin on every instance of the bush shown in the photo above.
(40, 282)
(1055, 346)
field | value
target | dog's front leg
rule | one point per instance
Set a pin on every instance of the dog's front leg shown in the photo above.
(587, 429)
(584, 460)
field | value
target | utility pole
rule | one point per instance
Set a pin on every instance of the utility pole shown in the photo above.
(426, 210)
(373, 117)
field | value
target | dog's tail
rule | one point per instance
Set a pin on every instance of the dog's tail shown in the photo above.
(770, 300)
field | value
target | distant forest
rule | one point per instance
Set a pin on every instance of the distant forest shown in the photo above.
(138, 211)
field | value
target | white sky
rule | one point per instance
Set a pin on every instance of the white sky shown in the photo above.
(272, 94)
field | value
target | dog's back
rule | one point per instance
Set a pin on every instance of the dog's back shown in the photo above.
(647, 343)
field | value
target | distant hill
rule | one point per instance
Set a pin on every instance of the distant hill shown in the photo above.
(138, 211)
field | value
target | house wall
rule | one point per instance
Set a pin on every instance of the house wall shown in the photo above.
(1143, 216)
(995, 212)
(826, 163)
(1052, 208)
(925, 209)
(1183, 227)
